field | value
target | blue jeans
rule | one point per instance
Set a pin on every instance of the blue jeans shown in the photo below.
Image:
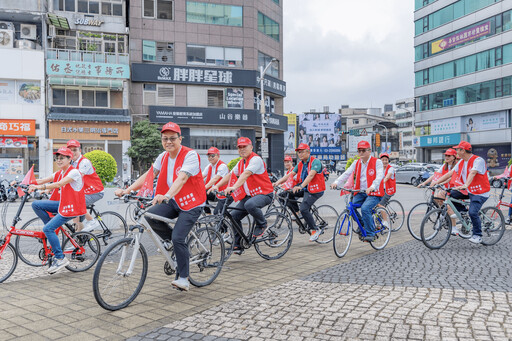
(41, 208)
(476, 202)
(367, 203)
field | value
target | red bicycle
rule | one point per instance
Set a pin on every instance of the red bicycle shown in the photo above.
(500, 200)
(81, 248)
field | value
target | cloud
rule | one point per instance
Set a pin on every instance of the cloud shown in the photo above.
(347, 52)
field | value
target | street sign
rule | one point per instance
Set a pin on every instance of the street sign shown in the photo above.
(264, 147)
(377, 140)
(363, 132)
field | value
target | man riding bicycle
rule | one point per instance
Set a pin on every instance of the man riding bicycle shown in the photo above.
(472, 171)
(368, 172)
(182, 181)
(212, 174)
(252, 175)
(310, 185)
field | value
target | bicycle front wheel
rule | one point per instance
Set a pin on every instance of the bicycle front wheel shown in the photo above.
(382, 229)
(206, 248)
(415, 217)
(396, 214)
(342, 236)
(325, 220)
(114, 226)
(493, 225)
(82, 251)
(120, 274)
(277, 239)
(30, 249)
(8, 261)
(436, 229)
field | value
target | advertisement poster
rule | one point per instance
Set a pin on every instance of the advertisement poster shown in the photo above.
(354, 140)
(385, 147)
(11, 167)
(321, 132)
(446, 126)
(461, 37)
(235, 98)
(495, 156)
(483, 122)
(290, 140)
(29, 92)
(422, 131)
(7, 90)
(13, 142)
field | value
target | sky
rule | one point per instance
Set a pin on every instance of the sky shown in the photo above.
(355, 52)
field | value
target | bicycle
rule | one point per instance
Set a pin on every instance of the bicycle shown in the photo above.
(325, 216)
(113, 228)
(502, 195)
(279, 233)
(421, 210)
(396, 214)
(345, 227)
(83, 250)
(123, 267)
(436, 227)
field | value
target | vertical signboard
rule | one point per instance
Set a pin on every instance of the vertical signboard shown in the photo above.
(290, 141)
(320, 131)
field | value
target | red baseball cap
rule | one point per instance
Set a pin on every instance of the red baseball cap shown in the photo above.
(64, 151)
(171, 126)
(464, 145)
(243, 141)
(73, 143)
(384, 154)
(212, 150)
(450, 151)
(363, 144)
(302, 146)
(288, 158)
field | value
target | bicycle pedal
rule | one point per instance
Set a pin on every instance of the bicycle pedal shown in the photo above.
(239, 252)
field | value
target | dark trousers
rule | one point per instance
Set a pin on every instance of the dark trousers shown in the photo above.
(459, 196)
(178, 235)
(209, 198)
(305, 208)
(252, 206)
(221, 202)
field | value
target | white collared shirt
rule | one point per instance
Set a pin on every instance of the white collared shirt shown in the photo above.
(375, 184)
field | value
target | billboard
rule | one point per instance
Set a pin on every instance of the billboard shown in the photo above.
(495, 156)
(290, 135)
(321, 132)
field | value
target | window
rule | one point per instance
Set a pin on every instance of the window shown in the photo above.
(214, 56)
(422, 3)
(148, 51)
(158, 9)
(161, 94)
(215, 98)
(91, 42)
(268, 26)
(149, 94)
(59, 97)
(215, 14)
(87, 97)
(276, 1)
(165, 53)
(107, 7)
(263, 61)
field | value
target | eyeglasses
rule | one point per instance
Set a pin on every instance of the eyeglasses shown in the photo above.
(74, 149)
(362, 150)
(211, 156)
(170, 139)
(59, 158)
(301, 151)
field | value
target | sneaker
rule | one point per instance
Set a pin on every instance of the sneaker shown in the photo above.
(58, 264)
(91, 225)
(508, 220)
(258, 231)
(369, 238)
(314, 235)
(455, 231)
(181, 283)
(475, 239)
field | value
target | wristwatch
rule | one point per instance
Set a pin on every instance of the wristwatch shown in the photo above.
(167, 196)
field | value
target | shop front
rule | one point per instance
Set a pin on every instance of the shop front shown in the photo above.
(19, 147)
(111, 137)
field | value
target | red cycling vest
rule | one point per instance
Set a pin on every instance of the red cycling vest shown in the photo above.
(371, 174)
(209, 177)
(71, 202)
(257, 183)
(390, 184)
(291, 182)
(480, 183)
(92, 182)
(317, 184)
(193, 192)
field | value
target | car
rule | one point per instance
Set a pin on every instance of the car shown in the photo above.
(411, 174)
(496, 183)
(340, 167)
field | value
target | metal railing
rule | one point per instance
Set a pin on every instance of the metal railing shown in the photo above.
(88, 56)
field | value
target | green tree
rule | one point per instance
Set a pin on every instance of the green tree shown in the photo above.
(104, 163)
(146, 145)
(349, 162)
(233, 163)
(510, 162)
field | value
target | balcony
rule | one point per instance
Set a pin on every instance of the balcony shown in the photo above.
(86, 56)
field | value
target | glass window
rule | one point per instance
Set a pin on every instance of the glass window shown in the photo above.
(102, 99)
(276, 1)
(149, 94)
(117, 9)
(148, 51)
(470, 64)
(94, 7)
(106, 8)
(116, 99)
(216, 98)
(70, 5)
(206, 13)
(506, 54)
(59, 96)
(196, 54)
(268, 26)
(82, 6)
(149, 8)
(72, 98)
(87, 98)
(264, 60)
(164, 9)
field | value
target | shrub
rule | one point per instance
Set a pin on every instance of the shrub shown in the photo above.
(233, 163)
(105, 164)
(349, 162)
(510, 162)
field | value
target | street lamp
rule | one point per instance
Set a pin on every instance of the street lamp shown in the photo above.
(262, 102)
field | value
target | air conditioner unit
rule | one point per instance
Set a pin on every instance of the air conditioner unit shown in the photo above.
(5, 25)
(28, 32)
(52, 32)
(6, 38)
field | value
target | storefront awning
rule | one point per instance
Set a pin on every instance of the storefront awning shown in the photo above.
(53, 116)
(104, 83)
(58, 21)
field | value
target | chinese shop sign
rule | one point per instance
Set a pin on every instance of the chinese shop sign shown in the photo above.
(18, 127)
(461, 37)
(85, 69)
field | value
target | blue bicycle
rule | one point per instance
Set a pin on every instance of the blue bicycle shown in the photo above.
(348, 223)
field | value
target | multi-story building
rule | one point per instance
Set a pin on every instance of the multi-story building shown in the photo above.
(88, 74)
(22, 103)
(404, 116)
(463, 76)
(197, 63)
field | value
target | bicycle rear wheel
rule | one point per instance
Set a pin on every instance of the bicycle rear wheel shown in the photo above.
(436, 229)
(342, 234)
(325, 220)
(493, 225)
(277, 239)
(382, 229)
(207, 251)
(8, 261)
(396, 214)
(114, 224)
(84, 254)
(30, 249)
(120, 274)
(415, 217)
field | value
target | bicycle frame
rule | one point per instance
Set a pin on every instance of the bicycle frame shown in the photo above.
(449, 201)
(352, 214)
